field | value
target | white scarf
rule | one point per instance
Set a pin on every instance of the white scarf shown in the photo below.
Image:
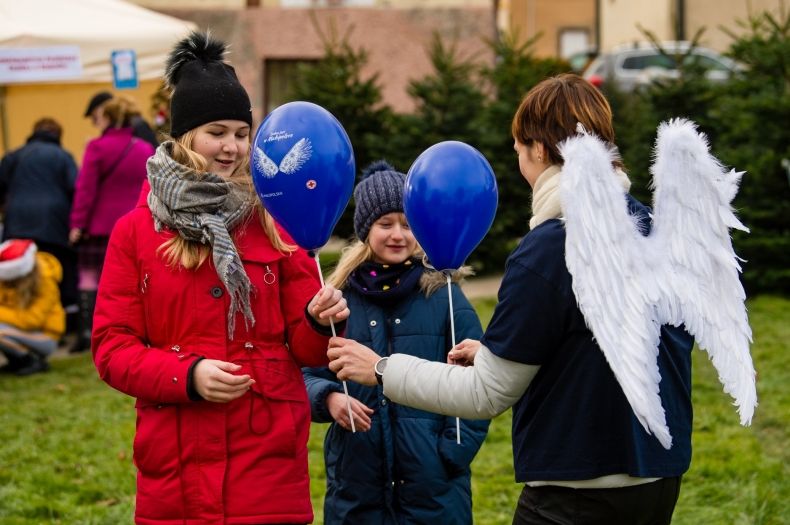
(546, 194)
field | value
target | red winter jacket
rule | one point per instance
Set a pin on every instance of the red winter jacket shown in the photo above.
(202, 462)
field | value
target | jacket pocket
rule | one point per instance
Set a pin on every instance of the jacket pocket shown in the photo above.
(155, 447)
(279, 408)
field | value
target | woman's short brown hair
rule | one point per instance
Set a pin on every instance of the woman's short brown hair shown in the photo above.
(48, 125)
(550, 111)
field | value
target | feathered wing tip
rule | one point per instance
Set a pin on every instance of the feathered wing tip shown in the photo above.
(693, 212)
(377, 165)
(680, 145)
(196, 46)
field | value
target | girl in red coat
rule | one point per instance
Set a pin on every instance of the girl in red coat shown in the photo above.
(205, 313)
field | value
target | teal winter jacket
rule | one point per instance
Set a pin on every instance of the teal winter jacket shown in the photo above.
(408, 467)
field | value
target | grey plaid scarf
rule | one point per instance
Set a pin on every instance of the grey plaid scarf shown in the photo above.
(203, 208)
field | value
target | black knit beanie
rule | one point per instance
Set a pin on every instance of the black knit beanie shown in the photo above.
(205, 88)
(379, 192)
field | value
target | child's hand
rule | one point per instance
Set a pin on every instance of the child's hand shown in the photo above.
(464, 353)
(336, 404)
(214, 381)
(327, 303)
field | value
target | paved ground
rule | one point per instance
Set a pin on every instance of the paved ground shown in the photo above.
(478, 287)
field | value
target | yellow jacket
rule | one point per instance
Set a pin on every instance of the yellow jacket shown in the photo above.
(45, 313)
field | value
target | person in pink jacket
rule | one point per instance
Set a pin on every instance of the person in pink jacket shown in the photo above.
(206, 313)
(112, 173)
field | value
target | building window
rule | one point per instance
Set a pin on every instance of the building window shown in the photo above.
(280, 75)
(573, 40)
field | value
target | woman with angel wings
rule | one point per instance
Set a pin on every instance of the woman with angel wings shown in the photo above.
(598, 310)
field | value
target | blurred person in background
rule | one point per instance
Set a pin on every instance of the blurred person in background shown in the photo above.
(31, 316)
(109, 182)
(140, 127)
(36, 189)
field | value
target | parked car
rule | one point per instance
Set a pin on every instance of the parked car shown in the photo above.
(629, 67)
(581, 59)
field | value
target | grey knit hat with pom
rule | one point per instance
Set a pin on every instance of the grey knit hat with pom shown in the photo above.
(378, 193)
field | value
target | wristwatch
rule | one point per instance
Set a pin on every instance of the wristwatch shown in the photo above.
(379, 368)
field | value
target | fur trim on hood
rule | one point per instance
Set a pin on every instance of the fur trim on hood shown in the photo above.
(432, 280)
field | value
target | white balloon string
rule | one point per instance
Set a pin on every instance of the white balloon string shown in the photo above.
(334, 334)
(452, 333)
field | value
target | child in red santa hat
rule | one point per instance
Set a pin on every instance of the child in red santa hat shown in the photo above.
(31, 316)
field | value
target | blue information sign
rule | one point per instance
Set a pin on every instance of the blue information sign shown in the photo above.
(124, 69)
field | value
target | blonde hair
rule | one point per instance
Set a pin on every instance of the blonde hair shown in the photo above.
(354, 255)
(190, 254)
(120, 110)
(26, 288)
(351, 257)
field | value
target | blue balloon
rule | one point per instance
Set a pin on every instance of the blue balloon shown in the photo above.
(450, 200)
(303, 170)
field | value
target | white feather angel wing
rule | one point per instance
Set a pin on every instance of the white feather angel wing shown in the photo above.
(692, 220)
(296, 156)
(685, 271)
(604, 255)
(266, 165)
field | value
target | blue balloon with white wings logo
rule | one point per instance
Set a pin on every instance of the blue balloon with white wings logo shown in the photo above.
(303, 170)
(450, 200)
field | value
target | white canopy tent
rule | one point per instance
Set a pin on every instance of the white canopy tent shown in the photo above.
(97, 27)
(89, 29)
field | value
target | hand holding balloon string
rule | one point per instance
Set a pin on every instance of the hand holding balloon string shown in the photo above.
(463, 354)
(345, 312)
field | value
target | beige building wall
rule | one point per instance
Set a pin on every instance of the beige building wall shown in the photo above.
(433, 3)
(713, 14)
(620, 20)
(549, 18)
(396, 41)
(240, 4)
(66, 103)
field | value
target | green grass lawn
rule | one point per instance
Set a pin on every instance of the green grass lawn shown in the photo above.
(66, 445)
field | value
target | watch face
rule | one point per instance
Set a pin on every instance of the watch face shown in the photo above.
(381, 364)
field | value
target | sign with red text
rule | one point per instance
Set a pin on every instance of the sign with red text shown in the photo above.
(39, 64)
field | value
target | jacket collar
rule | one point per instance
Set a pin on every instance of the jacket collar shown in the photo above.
(43, 136)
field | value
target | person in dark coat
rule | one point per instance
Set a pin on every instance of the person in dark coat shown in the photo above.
(140, 127)
(37, 188)
(402, 465)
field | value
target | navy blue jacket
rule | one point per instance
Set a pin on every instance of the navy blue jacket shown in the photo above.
(37, 186)
(407, 468)
(574, 422)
